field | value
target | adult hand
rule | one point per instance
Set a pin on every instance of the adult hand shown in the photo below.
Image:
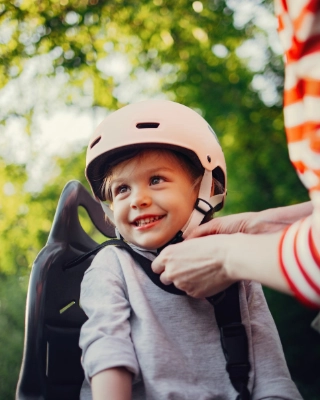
(207, 265)
(228, 249)
(195, 266)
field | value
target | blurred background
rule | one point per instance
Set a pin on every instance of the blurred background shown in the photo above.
(65, 64)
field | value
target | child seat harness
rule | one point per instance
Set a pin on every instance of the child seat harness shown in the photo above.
(226, 306)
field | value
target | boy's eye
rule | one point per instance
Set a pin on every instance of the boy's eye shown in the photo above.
(122, 189)
(155, 180)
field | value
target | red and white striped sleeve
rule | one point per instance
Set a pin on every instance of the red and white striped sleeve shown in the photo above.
(299, 249)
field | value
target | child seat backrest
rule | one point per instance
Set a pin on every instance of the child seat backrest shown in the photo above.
(51, 368)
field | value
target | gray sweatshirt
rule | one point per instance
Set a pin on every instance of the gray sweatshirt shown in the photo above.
(171, 343)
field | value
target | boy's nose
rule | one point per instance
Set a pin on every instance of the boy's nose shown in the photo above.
(140, 200)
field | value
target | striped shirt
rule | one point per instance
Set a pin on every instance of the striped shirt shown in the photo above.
(299, 249)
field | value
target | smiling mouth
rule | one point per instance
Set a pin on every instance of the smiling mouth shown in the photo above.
(145, 221)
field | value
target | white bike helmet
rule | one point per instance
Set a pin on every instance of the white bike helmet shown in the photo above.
(158, 124)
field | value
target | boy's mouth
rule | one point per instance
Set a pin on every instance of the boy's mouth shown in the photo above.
(148, 220)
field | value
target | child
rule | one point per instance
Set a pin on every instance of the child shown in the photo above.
(159, 171)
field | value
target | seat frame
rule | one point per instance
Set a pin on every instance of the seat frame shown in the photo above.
(51, 367)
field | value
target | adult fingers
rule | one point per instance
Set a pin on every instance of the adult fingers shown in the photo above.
(224, 225)
(159, 267)
(164, 279)
(158, 264)
(209, 228)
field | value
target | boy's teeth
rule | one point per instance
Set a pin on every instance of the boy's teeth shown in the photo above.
(145, 221)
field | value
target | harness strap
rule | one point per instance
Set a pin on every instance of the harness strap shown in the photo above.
(143, 261)
(78, 260)
(233, 337)
(226, 306)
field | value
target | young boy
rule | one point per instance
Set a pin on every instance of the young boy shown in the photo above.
(159, 171)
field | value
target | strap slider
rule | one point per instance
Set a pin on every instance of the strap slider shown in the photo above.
(203, 206)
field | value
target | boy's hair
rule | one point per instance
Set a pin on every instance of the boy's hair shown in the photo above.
(194, 171)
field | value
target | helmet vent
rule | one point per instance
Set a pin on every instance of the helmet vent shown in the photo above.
(147, 125)
(95, 142)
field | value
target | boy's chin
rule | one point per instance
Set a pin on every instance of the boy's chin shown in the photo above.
(159, 245)
(151, 245)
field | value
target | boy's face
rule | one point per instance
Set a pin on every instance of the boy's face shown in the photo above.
(153, 198)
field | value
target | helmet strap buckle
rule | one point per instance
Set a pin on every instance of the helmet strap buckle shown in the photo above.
(203, 206)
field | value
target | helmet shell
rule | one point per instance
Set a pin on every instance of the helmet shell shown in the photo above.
(151, 124)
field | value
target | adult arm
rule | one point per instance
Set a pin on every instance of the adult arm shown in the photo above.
(266, 221)
(299, 250)
(205, 266)
(113, 383)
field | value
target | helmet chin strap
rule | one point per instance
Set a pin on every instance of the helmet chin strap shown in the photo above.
(204, 204)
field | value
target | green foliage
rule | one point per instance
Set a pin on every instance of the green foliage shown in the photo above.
(13, 291)
(300, 341)
(167, 37)
(24, 221)
(173, 42)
